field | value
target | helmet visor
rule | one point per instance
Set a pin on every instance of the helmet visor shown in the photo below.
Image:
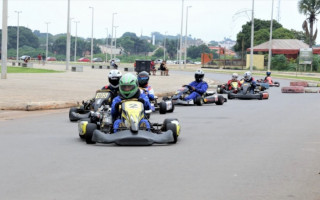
(127, 88)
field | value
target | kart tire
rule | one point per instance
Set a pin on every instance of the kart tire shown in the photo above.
(220, 100)
(173, 128)
(292, 89)
(162, 107)
(261, 96)
(89, 133)
(219, 89)
(166, 122)
(71, 117)
(299, 83)
(230, 96)
(277, 84)
(199, 101)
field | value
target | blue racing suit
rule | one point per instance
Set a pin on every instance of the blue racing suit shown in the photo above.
(115, 112)
(200, 88)
(149, 92)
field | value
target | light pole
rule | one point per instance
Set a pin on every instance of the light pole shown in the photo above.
(91, 37)
(186, 38)
(18, 12)
(4, 39)
(164, 46)
(107, 46)
(180, 51)
(68, 38)
(252, 36)
(46, 42)
(270, 40)
(75, 41)
(112, 35)
(115, 38)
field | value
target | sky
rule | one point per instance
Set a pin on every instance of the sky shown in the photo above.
(207, 19)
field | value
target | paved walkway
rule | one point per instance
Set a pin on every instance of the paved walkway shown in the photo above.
(32, 91)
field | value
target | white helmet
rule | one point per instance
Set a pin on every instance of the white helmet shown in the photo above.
(247, 76)
(234, 76)
(114, 78)
(199, 75)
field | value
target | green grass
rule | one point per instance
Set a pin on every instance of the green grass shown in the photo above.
(29, 70)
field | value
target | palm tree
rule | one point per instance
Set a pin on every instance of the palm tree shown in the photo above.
(310, 8)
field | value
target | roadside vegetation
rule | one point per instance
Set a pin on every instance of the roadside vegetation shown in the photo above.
(29, 70)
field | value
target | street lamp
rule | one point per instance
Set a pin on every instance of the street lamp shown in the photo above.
(75, 42)
(186, 39)
(115, 38)
(47, 42)
(164, 46)
(107, 46)
(91, 37)
(4, 39)
(112, 35)
(68, 38)
(252, 36)
(18, 12)
(180, 53)
(270, 40)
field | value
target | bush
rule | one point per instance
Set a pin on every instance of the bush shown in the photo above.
(279, 62)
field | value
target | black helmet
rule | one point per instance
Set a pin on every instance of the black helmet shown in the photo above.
(143, 79)
(268, 73)
(114, 78)
(199, 75)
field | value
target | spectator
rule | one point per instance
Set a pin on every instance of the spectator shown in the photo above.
(164, 69)
(43, 59)
(39, 57)
(153, 68)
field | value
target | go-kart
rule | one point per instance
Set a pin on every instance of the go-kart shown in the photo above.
(131, 131)
(206, 98)
(163, 107)
(224, 89)
(102, 97)
(244, 92)
(273, 84)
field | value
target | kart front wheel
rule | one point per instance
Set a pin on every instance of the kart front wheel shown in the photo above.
(173, 128)
(73, 110)
(89, 133)
(199, 101)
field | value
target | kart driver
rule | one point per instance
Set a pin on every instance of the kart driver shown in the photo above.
(234, 80)
(128, 89)
(143, 80)
(249, 79)
(114, 78)
(268, 78)
(198, 87)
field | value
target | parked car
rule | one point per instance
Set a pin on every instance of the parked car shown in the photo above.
(84, 59)
(97, 60)
(51, 59)
(24, 57)
(197, 63)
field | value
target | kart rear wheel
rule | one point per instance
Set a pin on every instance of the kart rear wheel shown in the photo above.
(71, 117)
(167, 121)
(89, 133)
(199, 101)
(277, 84)
(162, 107)
(172, 109)
(220, 100)
(230, 96)
(173, 128)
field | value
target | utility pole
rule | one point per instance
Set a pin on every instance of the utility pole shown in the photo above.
(18, 12)
(107, 46)
(164, 46)
(75, 42)
(91, 36)
(47, 41)
(68, 38)
(270, 39)
(4, 40)
(180, 53)
(252, 36)
(186, 39)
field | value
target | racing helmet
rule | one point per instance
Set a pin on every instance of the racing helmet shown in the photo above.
(143, 79)
(247, 76)
(268, 73)
(234, 76)
(114, 78)
(128, 86)
(199, 75)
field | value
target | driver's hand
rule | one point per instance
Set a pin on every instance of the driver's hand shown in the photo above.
(193, 88)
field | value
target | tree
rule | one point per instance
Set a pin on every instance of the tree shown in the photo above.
(261, 36)
(310, 8)
(245, 34)
(195, 51)
(158, 53)
(283, 33)
(26, 37)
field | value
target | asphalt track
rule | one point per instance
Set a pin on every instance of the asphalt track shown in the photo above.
(243, 150)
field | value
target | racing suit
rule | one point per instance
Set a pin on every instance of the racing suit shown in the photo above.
(199, 89)
(268, 80)
(253, 84)
(115, 109)
(149, 92)
(230, 84)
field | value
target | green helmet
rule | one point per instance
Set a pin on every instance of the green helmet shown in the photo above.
(128, 86)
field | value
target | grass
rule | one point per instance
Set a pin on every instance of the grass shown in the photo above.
(29, 70)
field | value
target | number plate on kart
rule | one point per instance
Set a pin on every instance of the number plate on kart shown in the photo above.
(102, 95)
